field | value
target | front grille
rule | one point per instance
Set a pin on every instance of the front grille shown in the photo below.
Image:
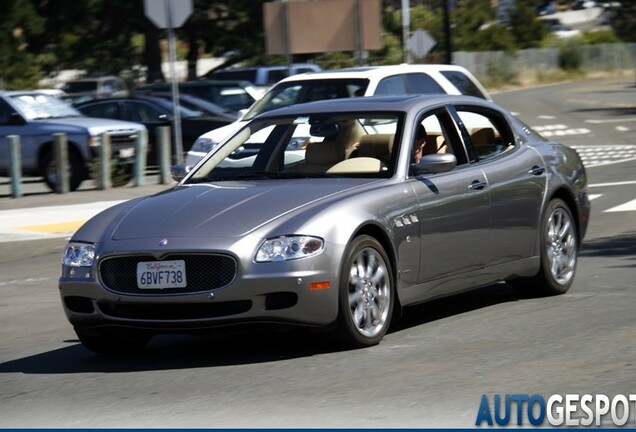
(124, 141)
(204, 272)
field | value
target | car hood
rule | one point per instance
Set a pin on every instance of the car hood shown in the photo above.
(228, 209)
(97, 126)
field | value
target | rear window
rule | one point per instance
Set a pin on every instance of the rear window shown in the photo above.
(235, 75)
(464, 84)
(293, 92)
(420, 83)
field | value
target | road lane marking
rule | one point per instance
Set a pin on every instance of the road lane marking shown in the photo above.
(54, 228)
(594, 196)
(621, 120)
(602, 155)
(628, 206)
(625, 183)
(47, 222)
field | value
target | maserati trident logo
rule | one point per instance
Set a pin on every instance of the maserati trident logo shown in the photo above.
(163, 242)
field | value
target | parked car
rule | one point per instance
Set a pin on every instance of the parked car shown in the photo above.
(339, 234)
(560, 30)
(343, 83)
(262, 77)
(231, 95)
(154, 112)
(36, 116)
(85, 89)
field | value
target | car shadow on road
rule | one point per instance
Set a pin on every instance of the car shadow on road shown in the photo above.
(241, 344)
(618, 246)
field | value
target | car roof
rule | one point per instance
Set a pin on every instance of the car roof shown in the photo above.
(374, 71)
(375, 104)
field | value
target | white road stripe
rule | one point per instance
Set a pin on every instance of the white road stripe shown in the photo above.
(628, 206)
(611, 120)
(625, 183)
(594, 196)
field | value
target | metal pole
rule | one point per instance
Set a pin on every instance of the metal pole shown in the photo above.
(61, 163)
(163, 142)
(447, 32)
(141, 146)
(175, 88)
(406, 30)
(15, 167)
(288, 53)
(104, 162)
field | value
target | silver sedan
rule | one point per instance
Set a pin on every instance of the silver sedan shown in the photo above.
(333, 215)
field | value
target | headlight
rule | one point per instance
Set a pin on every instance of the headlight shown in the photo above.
(79, 255)
(289, 248)
(203, 145)
(95, 141)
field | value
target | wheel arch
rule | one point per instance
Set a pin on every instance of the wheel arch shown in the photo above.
(378, 233)
(568, 197)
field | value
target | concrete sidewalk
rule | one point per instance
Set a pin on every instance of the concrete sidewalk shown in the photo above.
(42, 214)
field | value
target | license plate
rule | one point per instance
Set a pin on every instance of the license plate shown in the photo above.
(127, 153)
(161, 274)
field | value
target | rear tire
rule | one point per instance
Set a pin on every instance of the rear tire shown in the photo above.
(559, 252)
(366, 295)
(113, 341)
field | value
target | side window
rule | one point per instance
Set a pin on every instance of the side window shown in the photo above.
(489, 133)
(142, 113)
(436, 134)
(464, 84)
(422, 84)
(393, 85)
(102, 110)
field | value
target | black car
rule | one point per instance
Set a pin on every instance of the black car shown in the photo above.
(154, 112)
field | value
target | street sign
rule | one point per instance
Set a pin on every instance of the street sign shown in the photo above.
(168, 13)
(420, 43)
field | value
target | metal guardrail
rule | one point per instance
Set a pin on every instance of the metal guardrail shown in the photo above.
(104, 174)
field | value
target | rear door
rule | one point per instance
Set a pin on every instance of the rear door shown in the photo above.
(516, 178)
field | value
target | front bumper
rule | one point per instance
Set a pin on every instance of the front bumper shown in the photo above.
(276, 292)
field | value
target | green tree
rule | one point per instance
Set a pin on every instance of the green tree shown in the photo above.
(624, 21)
(19, 26)
(527, 29)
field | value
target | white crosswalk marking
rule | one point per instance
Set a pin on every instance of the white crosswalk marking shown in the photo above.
(605, 154)
(594, 196)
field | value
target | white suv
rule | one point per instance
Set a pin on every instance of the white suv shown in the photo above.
(360, 81)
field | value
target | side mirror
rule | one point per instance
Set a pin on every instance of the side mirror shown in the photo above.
(435, 163)
(178, 172)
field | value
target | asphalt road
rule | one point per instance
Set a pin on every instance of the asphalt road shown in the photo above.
(431, 370)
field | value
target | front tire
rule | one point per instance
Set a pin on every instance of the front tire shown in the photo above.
(559, 252)
(76, 167)
(366, 295)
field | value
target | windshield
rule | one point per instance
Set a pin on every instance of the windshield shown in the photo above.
(294, 92)
(318, 145)
(35, 106)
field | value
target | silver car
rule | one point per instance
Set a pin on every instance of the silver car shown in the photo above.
(334, 215)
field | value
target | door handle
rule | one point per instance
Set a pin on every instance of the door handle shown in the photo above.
(537, 170)
(478, 185)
